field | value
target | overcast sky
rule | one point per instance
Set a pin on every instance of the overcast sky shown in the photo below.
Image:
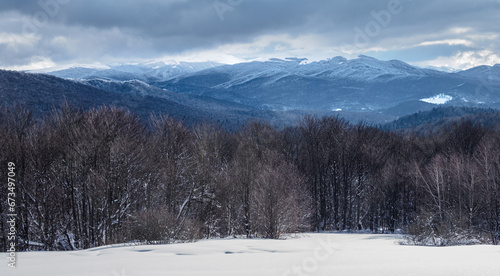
(44, 33)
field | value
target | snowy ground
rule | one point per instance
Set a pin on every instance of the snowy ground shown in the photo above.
(311, 254)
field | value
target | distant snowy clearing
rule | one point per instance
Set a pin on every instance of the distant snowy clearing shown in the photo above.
(310, 254)
(439, 99)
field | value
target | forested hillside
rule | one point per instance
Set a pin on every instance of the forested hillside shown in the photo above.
(42, 93)
(86, 178)
(437, 119)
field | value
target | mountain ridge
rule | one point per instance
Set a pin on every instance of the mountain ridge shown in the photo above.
(42, 94)
(179, 68)
(363, 88)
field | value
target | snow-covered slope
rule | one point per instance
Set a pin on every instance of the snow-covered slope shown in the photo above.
(486, 73)
(363, 68)
(312, 254)
(154, 71)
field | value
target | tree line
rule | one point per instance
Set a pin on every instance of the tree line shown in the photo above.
(104, 176)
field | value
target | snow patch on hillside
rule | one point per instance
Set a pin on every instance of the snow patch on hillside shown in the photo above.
(438, 99)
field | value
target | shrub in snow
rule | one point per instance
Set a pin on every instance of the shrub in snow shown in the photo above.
(159, 225)
(430, 230)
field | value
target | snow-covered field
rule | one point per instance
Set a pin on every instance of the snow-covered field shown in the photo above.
(310, 254)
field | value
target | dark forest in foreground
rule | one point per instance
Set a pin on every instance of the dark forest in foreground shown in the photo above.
(104, 176)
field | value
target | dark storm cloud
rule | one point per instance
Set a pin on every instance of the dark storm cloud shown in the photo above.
(200, 18)
(153, 27)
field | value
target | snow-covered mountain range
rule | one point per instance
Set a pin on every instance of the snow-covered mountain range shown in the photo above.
(362, 68)
(364, 85)
(137, 71)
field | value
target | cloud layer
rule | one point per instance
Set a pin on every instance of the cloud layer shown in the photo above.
(41, 33)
